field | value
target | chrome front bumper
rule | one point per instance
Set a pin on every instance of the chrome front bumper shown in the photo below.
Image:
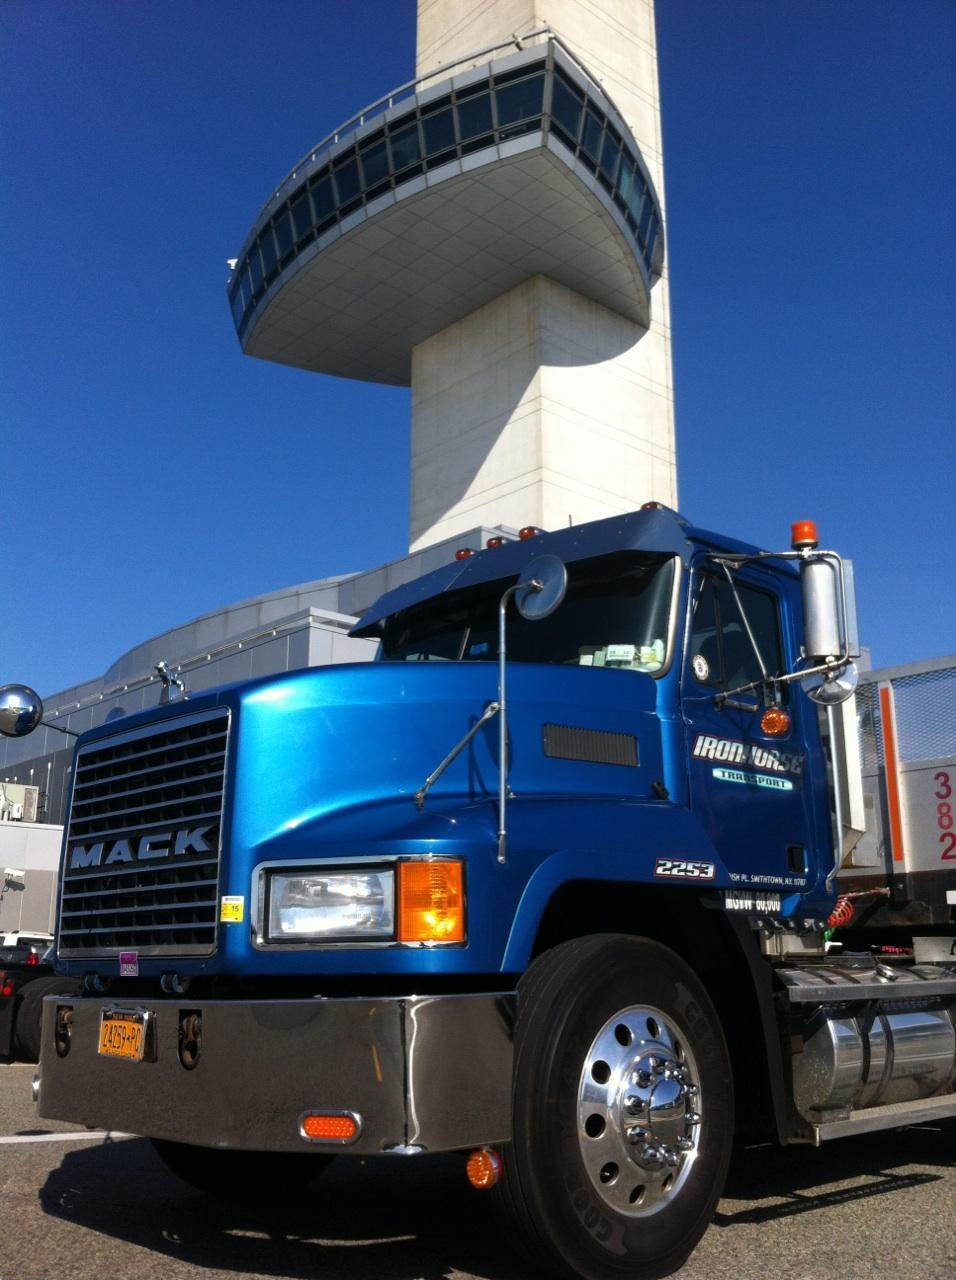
(423, 1073)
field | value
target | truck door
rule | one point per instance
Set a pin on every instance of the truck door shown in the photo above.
(749, 790)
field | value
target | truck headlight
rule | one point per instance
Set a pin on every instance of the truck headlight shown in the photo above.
(315, 905)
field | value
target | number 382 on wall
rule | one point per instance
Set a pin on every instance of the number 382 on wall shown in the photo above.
(944, 815)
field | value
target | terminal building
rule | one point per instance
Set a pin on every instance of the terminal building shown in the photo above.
(492, 234)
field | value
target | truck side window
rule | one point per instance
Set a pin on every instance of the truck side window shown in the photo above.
(722, 656)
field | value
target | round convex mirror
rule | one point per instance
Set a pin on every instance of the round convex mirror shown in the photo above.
(832, 691)
(20, 710)
(541, 587)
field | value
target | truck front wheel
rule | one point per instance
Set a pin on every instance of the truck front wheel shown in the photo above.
(623, 1110)
(240, 1175)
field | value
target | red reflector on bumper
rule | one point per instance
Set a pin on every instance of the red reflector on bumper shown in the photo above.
(330, 1126)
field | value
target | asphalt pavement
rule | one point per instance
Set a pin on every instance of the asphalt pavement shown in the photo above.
(80, 1205)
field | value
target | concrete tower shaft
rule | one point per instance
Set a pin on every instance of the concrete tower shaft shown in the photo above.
(615, 39)
(491, 233)
(545, 406)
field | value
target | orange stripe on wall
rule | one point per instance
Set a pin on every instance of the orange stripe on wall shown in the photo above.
(888, 725)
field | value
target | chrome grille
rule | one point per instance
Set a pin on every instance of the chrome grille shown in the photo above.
(141, 867)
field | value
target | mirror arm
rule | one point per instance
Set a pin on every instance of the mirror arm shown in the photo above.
(746, 621)
(503, 723)
(535, 586)
(45, 724)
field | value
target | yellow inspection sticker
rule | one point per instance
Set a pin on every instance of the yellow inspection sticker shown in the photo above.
(231, 910)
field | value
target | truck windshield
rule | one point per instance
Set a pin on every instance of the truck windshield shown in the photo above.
(616, 614)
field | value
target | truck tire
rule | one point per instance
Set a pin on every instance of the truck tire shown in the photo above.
(29, 1017)
(240, 1175)
(623, 1111)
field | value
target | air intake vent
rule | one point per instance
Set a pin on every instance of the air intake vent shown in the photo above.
(141, 868)
(594, 746)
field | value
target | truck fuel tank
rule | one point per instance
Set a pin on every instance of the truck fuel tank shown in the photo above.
(869, 1035)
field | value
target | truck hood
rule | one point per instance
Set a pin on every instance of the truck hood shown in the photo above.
(317, 745)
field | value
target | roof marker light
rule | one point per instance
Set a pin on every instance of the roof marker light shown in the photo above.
(529, 531)
(496, 541)
(463, 553)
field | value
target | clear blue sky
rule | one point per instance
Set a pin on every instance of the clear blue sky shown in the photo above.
(151, 472)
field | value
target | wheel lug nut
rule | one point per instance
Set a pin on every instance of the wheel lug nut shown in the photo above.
(692, 1117)
(633, 1103)
(641, 1078)
(685, 1144)
(652, 1157)
(636, 1134)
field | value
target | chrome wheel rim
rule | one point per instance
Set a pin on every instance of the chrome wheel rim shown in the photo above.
(640, 1111)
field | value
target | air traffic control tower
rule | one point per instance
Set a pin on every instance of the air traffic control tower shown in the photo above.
(491, 234)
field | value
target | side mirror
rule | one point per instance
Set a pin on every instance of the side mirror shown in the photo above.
(20, 710)
(831, 690)
(830, 628)
(541, 588)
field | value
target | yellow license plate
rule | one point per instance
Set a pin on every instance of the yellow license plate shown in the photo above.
(123, 1034)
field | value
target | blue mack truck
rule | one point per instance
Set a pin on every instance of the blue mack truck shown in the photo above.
(550, 883)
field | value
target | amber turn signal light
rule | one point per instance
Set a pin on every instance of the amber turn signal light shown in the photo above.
(775, 722)
(431, 904)
(484, 1169)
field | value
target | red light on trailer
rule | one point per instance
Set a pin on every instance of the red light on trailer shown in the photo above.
(653, 506)
(529, 531)
(496, 541)
(463, 553)
(803, 535)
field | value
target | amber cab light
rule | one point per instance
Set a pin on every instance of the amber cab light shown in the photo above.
(463, 553)
(496, 541)
(484, 1169)
(329, 1126)
(431, 904)
(529, 531)
(775, 722)
(803, 535)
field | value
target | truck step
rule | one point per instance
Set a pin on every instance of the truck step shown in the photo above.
(892, 1116)
(835, 984)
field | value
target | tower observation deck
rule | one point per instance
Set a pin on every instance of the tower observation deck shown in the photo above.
(491, 234)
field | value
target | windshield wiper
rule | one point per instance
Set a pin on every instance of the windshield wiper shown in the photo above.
(492, 709)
